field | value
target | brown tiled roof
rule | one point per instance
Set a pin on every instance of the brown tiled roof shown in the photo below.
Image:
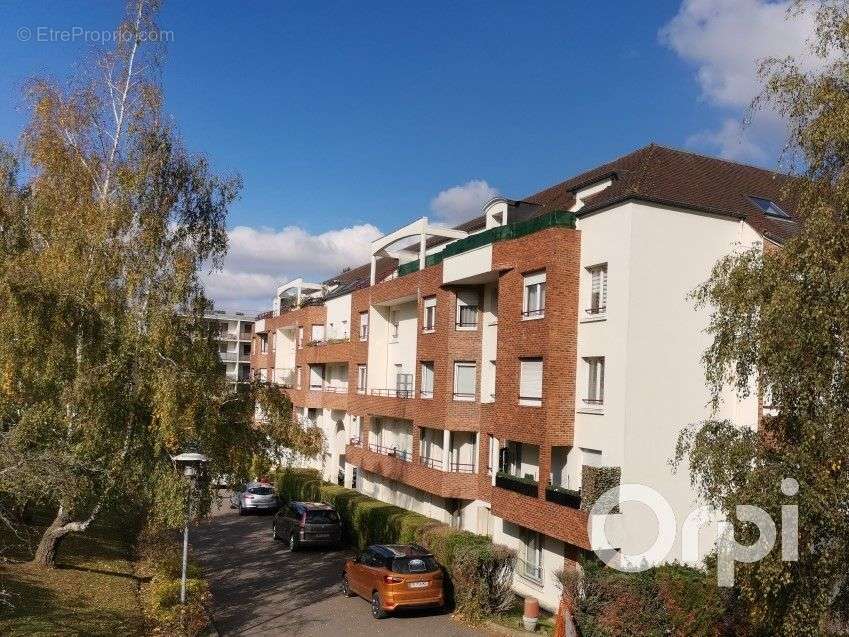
(655, 174)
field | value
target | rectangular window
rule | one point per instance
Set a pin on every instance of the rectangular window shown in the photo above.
(467, 310)
(362, 377)
(298, 378)
(300, 337)
(533, 303)
(530, 382)
(530, 561)
(427, 380)
(429, 314)
(263, 343)
(363, 326)
(598, 289)
(393, 324)
(316, 377)
(318, 332)
(595, 381)
(263, 374)
(464, 380)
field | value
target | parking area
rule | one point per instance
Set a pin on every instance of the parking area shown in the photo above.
(261, 588)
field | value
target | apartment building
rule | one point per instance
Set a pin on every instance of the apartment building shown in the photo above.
(234, 332)
(492, 375)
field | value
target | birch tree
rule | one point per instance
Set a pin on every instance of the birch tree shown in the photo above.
(106, 364)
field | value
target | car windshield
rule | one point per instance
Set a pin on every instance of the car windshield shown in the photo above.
(322, 517)
(261, 490)
(423, 564)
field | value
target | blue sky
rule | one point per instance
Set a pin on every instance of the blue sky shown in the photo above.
(350, 118)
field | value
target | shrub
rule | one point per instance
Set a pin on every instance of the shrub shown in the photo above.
(665, 600)
(478, 572)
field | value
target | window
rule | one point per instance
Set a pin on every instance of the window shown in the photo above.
(393, 324)
(263, 374)
(318, 332)
(530, 561)
(530, 382)
(426, 390)
(362, 377)
(769, 207)
(464, 380)
(298, 378)
(300, 337)
(595, 381)
(363, 326)
(429, 314)
(598, 289)
(263, 343)
(533, 304)
(492, 455)
(467, 310)
(345, 332)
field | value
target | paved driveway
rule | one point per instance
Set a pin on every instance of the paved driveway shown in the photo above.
(260, 588)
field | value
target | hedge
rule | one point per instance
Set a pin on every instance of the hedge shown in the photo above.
(478, 571)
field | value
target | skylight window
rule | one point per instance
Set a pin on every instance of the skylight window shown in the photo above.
(769, 207)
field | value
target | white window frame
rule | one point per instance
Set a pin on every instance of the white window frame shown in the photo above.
(263, 343)
(596, 292)
(533, 309)
(300, 337)
(317, 331)
(424, 391)
(362, 379)
(531, 372)
(364, 323)
(461, 303)
(593, 400)
(429, 311)
(465, 396)
(298, 377)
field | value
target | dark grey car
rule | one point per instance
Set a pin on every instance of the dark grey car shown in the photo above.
(307, 523)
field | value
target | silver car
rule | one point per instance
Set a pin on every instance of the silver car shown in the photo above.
(256, 496)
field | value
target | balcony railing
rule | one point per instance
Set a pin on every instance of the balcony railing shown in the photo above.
(525, 486)
(599, 309)
(594, 402)
(393, 452)
(534, 313)
(286, 377)
(433, 463)
(335, 389)
(356, 441)
(392, 392)
(563, 496)
(462, 467)
(229, 357)
(529, 571)
(426, 393)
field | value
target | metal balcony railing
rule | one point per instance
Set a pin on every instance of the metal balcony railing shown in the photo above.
(393, 452)
(529, 571)
(534, 313)
(229, 357)
(433, 463)
(599, 309)
(462, 467)
(392, 392)
(594, 402)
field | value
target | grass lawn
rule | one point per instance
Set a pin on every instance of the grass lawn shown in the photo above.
(513, 619)
(92, 592)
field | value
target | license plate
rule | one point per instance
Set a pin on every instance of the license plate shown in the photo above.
(417, 584)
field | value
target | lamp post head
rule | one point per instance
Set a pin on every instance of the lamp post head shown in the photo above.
(189, 463)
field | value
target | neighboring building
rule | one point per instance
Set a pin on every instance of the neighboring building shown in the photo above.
(484, 376)
(235, 334)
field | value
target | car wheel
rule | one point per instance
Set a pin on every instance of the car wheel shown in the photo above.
(346, 589)
(377, 606)
(242, 510)
(293, 542)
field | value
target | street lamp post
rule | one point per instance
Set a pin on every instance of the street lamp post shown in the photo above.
(190, 464)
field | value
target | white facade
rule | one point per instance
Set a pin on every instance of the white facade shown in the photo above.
(234, 333)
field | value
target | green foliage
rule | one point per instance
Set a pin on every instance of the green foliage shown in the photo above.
(778, 320)
(595, 481)
(666, 600)
(478, 571)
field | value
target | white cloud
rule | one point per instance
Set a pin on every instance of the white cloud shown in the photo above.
(460, 203)
(726, 40)
(261, 259)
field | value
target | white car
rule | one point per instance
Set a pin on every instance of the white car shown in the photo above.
(257, 496)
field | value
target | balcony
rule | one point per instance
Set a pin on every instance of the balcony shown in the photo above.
(563, 496)
(392, 392)
(228, 357)
(285, 377)
(524, 486)
(392, 452)
(461, 467)
(432, 463)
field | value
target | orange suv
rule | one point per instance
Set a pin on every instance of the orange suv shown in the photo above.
(394, 576)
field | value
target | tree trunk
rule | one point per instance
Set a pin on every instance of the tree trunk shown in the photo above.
(45, 554)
